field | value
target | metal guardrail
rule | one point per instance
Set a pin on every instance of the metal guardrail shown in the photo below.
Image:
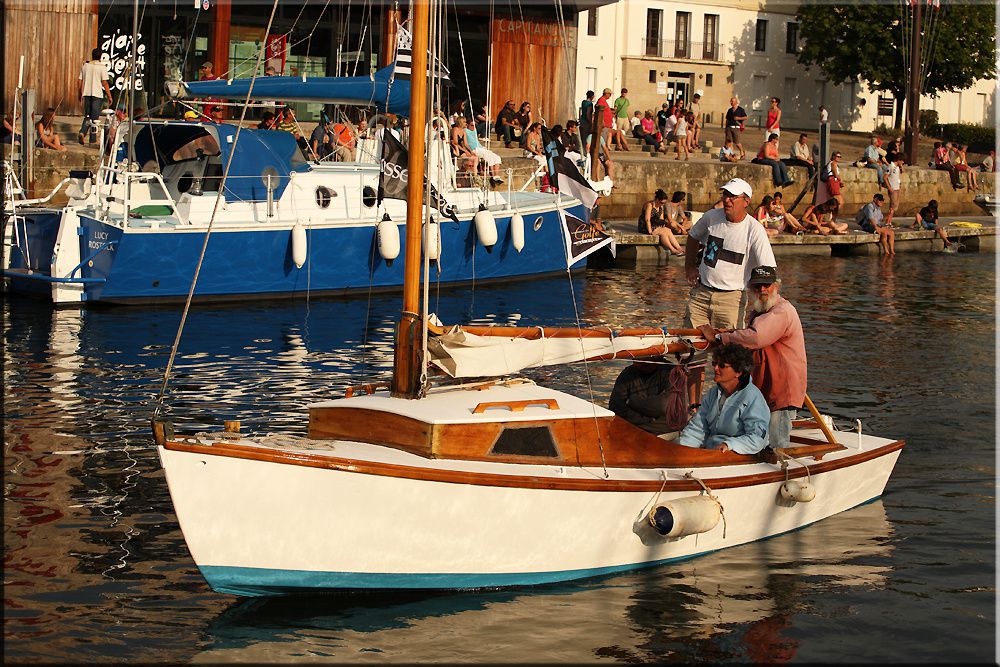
(669, 48)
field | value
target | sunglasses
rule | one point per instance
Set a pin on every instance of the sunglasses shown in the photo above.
(717, 364)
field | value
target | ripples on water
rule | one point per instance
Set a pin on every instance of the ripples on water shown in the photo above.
(95, 567)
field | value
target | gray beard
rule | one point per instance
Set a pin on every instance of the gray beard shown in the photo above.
(761, 305)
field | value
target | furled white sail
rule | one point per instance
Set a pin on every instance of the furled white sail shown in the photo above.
(460, 353)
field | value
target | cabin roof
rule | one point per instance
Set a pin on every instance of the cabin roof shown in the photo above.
(522, 402)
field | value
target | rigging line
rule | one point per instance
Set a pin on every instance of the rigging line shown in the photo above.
(190, 41)
(533, 86)
(565, 43)
(929, 45)
(465, 71)
(208, 233)
(934, 44)
(583, 348)
(906, 13)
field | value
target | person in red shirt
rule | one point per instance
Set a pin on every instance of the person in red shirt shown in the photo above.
(605, 113)
(774, 333)
(213, 111)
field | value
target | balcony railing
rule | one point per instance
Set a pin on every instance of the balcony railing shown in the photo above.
(669, 48)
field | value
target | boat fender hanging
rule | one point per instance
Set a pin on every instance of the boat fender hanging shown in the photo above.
(432, 240)
(800, 492)
(486, 228)
(388, 239)
(299, 244)
(517, 232)
(685, 516)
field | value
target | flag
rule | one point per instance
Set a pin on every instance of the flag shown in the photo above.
(565, 174)
(582, 238)
(394, 175)
(404, 59)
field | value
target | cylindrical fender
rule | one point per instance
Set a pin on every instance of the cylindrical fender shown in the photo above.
(387, 232)
(685, 516)
(299, 244)
(517, 232)
(432, 240)
(486, 228)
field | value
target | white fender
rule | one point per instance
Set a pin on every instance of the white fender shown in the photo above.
(299, 244)
(388, 239)
(801, 492)
(432, 240)
(486, 228)
(685, 516)
(517, 232)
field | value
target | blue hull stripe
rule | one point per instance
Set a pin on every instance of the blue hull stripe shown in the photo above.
(159, 265)
(252, 582)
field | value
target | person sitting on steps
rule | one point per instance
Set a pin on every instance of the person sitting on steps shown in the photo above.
(653, 221)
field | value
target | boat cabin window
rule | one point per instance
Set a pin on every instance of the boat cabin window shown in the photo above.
(205, 143)
(525, 441)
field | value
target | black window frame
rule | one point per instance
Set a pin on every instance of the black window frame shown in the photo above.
(710, 49)
(592, 22)
(792, 37)
(654, 31)
(760, 36)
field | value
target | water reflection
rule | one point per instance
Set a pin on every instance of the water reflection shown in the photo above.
(721, 607)
(96, 568)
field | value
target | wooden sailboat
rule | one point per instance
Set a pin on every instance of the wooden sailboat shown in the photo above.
(488, 483)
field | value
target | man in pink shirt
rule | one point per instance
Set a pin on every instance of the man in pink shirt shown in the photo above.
(774, 333)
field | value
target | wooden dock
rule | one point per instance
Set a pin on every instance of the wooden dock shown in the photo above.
(634, 248)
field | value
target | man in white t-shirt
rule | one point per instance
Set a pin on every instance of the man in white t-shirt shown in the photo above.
(734, 243)
(92, 87)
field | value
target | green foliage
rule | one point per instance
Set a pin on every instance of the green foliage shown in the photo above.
(863, 41)
(928, 121)
(979, 139)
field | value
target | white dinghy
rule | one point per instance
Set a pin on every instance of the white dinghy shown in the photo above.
(465, 483)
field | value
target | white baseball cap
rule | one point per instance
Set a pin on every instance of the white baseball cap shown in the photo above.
(738, 186)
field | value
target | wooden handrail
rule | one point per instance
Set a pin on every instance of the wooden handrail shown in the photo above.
(516, 406)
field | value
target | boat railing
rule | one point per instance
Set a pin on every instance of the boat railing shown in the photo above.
(123, 196)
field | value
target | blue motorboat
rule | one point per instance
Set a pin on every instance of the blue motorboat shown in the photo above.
(271, 222)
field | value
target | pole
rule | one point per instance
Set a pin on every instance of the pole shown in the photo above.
(913, 103)
(405, 375)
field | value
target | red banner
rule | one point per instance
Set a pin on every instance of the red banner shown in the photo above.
(275, 54)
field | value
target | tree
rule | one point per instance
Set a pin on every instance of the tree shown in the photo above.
(870, 42)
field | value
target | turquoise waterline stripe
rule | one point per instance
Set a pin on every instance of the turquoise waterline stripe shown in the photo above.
(254, 582)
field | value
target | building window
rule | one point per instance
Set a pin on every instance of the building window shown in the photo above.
(652, 76)
(708, 80)
(592, 22)
(792, 38)
(683, 35)
(654, 20)
(711, 48)
(760, 41)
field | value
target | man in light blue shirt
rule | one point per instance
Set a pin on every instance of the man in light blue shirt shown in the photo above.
(873, 161)
(733, 416)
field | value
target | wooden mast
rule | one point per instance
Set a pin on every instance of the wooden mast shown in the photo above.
(406, 362)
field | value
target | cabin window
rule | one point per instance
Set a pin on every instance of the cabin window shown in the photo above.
(200, 146)
(525, 441)
(324, 196)
(368, 196)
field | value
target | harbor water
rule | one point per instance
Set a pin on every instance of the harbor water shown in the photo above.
(96, 569)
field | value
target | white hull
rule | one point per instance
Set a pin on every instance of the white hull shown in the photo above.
(258, 527)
